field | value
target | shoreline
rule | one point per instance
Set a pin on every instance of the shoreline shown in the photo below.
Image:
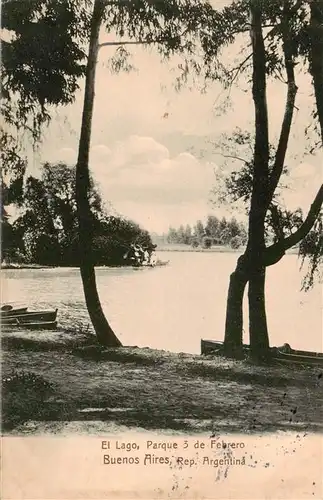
(150, 389)
(37, 266)
(214, 249)
(164, 249)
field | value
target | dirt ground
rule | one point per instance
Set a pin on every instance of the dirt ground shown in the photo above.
(92, 390)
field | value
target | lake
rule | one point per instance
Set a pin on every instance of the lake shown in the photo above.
(173, 307)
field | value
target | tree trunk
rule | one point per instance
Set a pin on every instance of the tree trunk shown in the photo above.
(104, 332)
(258, 331)
(265, 183)
(234, 315)
(260, 190)
(316, 55)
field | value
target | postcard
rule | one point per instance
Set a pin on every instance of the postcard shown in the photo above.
(161, 249)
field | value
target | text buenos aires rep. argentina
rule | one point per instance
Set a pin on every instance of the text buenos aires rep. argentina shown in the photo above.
(129, 447)
(148, 459)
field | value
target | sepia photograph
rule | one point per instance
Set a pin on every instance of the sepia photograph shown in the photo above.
(161, 249)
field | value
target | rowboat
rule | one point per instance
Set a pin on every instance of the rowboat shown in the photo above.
(210, 347)
(41, 325)
(284, 353)
(310, 358)
(30, 317)
(12, 312)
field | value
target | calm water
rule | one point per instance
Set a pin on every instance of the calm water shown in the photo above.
(172, 307)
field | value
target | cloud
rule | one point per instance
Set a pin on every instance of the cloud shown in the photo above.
(141, 169)
(145, 182)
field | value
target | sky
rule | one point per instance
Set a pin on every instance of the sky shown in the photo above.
(153, 154)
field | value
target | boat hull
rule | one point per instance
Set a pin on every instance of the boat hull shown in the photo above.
(43, 325)
(284, 354)
(13, 312)
(30, 317)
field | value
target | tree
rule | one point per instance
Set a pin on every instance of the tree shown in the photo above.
(188, 235)
(172, 235)
(212, 226)
(181, 234)
(199, 231)
(286, 42)
(40, 79)
(46, 231)
(222, 225)
(136, 20)
(258, 331)
(33, 80)
(236, 242)
(207, 242)
(118, 240)
(7, 236)
(264, 181)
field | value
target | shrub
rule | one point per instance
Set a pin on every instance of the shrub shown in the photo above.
(22, 396)
(207, 242)
(236, 242)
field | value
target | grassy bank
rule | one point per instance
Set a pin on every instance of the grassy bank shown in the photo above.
(13, 265)
(60, 380)
(172, 247)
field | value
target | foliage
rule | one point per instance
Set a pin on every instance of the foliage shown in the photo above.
(44, 45)
(42, 61)
(234, 187)
(118, 242)
(215, 232)
(236, 242)
(23, 396)
(47, 231)
(20, 380)
(207, 242)
(32, 80)
(311, 250)
(235, 174)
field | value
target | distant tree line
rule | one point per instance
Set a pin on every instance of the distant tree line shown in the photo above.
(215, 232)
(46, 233)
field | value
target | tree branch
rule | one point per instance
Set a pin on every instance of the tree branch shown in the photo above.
(132, 42)
(143, 42)
(238, 68)
(275, 252)
(289, 107)
(232, 156)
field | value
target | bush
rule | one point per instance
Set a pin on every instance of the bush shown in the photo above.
(236, 242)
(22, 396)
(207, 242)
